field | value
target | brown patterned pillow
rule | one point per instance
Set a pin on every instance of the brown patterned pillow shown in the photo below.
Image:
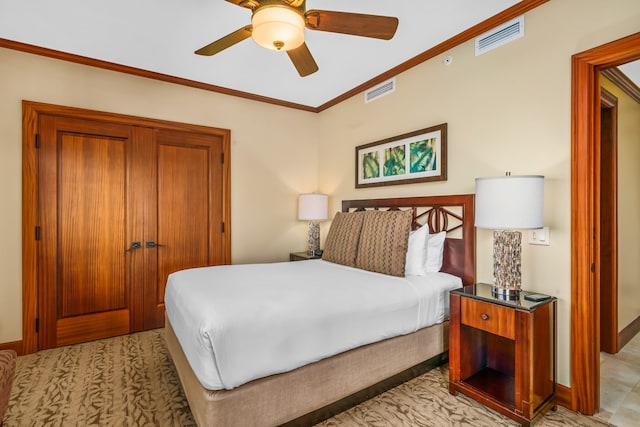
(341, 246)
(383, 242)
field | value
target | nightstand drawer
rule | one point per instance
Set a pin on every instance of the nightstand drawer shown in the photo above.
(488, 317)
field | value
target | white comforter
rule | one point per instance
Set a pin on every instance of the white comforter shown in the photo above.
(242, 322)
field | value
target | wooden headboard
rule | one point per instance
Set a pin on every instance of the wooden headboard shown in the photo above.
(453, 214)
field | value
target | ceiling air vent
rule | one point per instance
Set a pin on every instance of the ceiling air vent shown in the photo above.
(379, 91)
(503, 34)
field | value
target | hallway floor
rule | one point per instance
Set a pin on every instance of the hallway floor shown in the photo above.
(620, 386)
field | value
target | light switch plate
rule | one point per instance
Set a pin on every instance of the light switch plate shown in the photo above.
(539, 236)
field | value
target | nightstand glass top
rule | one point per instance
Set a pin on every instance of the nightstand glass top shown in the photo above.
(482, 292)
(305, 255)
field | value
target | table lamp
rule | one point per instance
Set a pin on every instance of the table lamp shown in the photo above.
(313, 208)
(506, 204)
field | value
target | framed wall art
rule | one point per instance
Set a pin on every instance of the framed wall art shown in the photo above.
(419, 156)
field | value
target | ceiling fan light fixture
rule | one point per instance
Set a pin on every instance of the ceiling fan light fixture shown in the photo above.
(278, 27)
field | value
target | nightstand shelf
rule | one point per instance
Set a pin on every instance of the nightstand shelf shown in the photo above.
(502, 353)
(494, 383)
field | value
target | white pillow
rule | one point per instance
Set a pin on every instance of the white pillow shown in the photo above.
(435, 251)
(417, 252)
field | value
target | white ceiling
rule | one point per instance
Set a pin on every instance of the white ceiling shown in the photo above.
(161, 35)
(632, 70)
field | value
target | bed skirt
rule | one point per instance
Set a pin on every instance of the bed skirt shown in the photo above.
(278, 399)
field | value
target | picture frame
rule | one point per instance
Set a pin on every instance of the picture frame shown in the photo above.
(419, 156)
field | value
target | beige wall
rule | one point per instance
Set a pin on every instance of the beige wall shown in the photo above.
(273, 151)
(507, 110)
(628, 205)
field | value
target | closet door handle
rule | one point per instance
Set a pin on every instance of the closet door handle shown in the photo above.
(151, 245)
(134, 245)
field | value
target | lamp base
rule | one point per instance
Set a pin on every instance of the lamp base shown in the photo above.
(314, 238)
(505, 294)
(506, 259)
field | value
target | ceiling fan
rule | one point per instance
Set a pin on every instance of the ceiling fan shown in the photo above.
(280, 24)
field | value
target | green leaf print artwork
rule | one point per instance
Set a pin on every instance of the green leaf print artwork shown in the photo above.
(422, 155)
(394, 162)
(370, 165)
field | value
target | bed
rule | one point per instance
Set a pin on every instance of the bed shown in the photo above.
(319, 386)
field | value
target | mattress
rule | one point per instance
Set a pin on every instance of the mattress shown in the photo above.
(243, 322)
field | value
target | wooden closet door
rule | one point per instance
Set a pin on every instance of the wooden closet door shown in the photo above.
(186, 227)
(96, 183)
(87, 219)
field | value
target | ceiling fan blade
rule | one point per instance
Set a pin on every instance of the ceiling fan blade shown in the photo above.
(356, 24)
(303, 60)
(226, 41)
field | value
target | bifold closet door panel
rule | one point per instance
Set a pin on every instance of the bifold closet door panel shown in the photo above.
(186, 230)
(84, 214)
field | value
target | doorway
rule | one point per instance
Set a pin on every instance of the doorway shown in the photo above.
(112, 204)
(585, 216)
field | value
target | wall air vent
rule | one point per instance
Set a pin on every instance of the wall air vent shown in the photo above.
(379, 91)
(503, 34)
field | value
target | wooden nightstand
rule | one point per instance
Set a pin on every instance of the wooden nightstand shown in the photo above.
(503, 353)
(302, 256)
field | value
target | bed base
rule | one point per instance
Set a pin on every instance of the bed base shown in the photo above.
(355, 399)
(314, 392)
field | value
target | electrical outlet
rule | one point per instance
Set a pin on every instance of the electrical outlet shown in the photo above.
(539, 236)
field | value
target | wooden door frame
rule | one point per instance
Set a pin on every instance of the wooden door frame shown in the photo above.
(30, 114)
(585, 216)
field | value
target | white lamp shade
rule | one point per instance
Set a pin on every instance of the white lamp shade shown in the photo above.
(313, 207)
(277, 27)
(509, 202)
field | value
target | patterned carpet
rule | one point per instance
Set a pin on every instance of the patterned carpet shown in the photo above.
(130, 381)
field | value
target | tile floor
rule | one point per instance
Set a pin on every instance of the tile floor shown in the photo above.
(620, 386)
